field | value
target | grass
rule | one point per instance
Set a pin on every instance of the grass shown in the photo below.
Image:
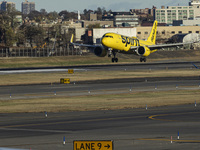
(100, 102)
(95, 102)
(90, 59)
(38, 78)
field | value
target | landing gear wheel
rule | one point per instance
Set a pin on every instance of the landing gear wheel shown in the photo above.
(114, 60)
(142, 59)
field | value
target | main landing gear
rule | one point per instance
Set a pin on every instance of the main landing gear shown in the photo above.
(114, 59)
(142, 59)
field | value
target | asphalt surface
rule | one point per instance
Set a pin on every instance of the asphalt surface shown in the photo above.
(99, 87)
(144, 128)
(128, 129)
(114, 66)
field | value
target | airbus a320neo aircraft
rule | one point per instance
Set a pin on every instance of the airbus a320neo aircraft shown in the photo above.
(113, 43)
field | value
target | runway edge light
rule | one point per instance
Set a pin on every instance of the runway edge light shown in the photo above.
(64, 140)
(171, 139)
(178, 136)
(45, 114)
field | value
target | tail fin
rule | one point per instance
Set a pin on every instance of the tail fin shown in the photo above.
(152, 36)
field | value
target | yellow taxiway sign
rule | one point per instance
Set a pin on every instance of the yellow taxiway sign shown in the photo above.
(93, 145)
(70, 71)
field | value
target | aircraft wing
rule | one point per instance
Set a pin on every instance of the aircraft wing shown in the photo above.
(82, 45)
(160, 46)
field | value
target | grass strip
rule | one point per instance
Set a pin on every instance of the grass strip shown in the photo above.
(48, 78)
(101, 102)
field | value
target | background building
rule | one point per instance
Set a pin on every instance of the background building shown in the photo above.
(167, 15)
(5, 6)
(98, 33)
(122, 19)
(27, 7)
(165, 32)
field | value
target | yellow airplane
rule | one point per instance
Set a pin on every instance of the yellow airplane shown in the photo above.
(113, 43)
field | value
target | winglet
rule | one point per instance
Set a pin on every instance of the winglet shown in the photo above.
(72, 37)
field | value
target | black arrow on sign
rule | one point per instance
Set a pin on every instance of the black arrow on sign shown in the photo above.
(108, 146)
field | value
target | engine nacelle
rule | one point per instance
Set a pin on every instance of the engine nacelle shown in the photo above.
(143, 51)
(100, 51)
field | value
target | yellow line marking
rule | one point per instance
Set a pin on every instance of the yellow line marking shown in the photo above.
(153, 117)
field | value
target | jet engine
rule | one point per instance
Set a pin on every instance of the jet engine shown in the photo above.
(100, 51)
(143, 51)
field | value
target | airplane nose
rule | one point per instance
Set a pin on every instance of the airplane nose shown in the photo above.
(104, 41)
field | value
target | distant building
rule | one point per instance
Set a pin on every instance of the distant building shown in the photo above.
(98, 33)
(195, 22)
(122, 19)
(194, 3)
(145, 11)
(93, 17)
(103, 24)
(165, 32)
(167, 15)
(5, 6)
(27, 7)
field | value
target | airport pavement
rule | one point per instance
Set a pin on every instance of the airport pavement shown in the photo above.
(128, 129)
(130, 66)
(99, 87)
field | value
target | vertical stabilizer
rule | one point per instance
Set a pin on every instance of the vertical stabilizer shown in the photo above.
(152, 36)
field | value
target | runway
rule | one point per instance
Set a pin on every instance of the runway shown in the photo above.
(141, 129)
(99, 87)
(128, 129)
(130, 66)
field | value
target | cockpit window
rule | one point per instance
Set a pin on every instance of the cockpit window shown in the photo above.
(108, 36)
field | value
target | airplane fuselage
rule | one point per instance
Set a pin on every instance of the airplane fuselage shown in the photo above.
(121, 42)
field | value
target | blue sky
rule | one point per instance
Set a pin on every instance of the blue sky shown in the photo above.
(114, 5)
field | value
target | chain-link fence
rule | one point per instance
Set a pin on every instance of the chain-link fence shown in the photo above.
(40, 52)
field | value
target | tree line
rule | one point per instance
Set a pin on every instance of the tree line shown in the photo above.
(12, 32)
